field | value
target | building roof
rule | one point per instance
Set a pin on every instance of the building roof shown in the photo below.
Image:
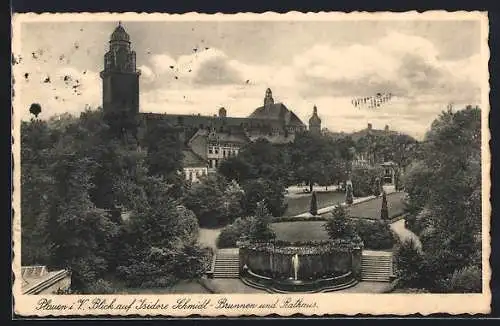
(191, 159)
(276, 111)
(275, 139)
(197, 120)
(370, 131)
(314, 119)
(221, 137)
(119, 34)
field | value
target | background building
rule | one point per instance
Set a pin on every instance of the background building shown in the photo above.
(207, 140)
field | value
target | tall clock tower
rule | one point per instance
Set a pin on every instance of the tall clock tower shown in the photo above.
(120, 83)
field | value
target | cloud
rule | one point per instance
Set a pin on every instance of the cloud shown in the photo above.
(402, 64)
(203, 68)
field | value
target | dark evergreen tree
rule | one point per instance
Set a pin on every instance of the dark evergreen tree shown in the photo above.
(313, 209)
(384, 211)
(339, 226)
(349, 195)
(260, 230)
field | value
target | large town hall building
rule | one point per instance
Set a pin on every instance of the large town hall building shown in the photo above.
(208, 140)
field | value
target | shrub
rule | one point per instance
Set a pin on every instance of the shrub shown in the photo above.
(259, 229)
(339, 226)
(409, 263)
(314, 204)
(159, 282)
(189, 261)
(100, 286)
(230, 234)
(299, 218)
(376, 235)
(254, 228)
(465, 280)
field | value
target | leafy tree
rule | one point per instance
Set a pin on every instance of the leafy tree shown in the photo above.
(265, 160)
(236, 168)
(76, 176)
(207, 200)
(314, 204)
(234, 196)
(162, 240)
(272, 193)
(409, 262)
(36, 185)
(444, 182)
(397, 147)
(418, 184)
(35, 109)
(363, 180)
(164, 154)
(314, 159)
(79, 231)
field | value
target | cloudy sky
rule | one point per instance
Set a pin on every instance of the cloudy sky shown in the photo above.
(424, 64)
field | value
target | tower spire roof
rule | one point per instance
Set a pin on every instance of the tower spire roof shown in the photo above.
(119, 34)
(315, 118)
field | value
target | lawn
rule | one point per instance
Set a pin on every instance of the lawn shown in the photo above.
(313, 230)
(300, 231)
(371, 209)
(299, 204)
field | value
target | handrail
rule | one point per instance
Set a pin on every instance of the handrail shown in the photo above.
(38, 287)
(211, 271)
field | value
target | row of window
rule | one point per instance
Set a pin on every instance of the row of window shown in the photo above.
(213, 163)
(225, 151)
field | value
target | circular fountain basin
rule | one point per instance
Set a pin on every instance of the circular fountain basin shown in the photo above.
(317, 267)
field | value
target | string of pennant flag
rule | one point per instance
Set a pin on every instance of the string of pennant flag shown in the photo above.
(372, 101)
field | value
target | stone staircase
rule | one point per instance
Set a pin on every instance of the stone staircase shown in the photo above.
(227, 263)
(376, 266)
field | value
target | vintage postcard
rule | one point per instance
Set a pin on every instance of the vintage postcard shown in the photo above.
(251, 164)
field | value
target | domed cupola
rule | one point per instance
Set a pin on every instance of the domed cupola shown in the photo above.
(315, 122)
(315, 118)
(119, 34)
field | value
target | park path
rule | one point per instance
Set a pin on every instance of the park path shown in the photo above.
(404, 234)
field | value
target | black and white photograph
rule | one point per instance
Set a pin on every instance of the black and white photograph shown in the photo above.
(251, 163)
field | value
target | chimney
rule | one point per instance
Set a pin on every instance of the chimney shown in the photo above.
(386, 128)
